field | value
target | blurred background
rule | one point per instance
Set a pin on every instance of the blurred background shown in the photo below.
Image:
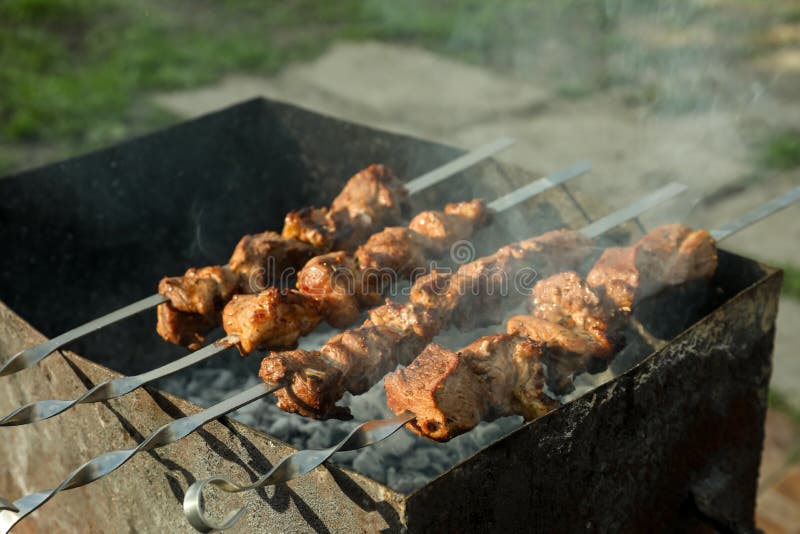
(702, 91)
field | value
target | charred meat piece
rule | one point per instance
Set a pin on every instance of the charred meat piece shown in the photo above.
(432, 291)
(571, 351)
(200, 291)
(483, 289)
(341, 289)
(395, 251)
(310, 225)
(673, 254)
(458, 221)
(195, 302)
(567, 300)
(264, 259)
(407, 250)
(312, 383)
(440, 389)
(182, 328)
(665, 257)
(272, 319)
(615, 277)
(394, 334)
(450, 393)
(256, 262)
(372, 199)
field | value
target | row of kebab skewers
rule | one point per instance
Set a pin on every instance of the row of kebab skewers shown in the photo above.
(573, 324)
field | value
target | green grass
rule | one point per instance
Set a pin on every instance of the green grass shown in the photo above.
(78, 72)
(791, 281)
(777, 401)
(780, 150)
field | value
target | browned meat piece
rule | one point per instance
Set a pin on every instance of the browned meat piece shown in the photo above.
(450, 393)
(432, 291)
(567, 300)
(263, 259)
(407, 318)
(182, 328)
(673, 254)
(570, 350)
(488, 286)
(370, 200)
(667, 256)
(200, 291)
(575, 342)
(364, 355)
(313, 384)
(339, 286)
(615, 277)
(408, 250)
(314, 226)
(394, 334)
(443, 393)
(395, 251)
(195, 302)
(271, 319)
(458, 221)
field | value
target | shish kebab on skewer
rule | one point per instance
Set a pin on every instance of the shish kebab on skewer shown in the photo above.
(572, 325)
(278, 317)
(314, 225)
(354, 360)
(12, 513)
(484, 364)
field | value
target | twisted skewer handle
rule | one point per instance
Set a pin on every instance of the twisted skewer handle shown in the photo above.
(291, 467)
(111, 461)
(33, 355)
(45, 409)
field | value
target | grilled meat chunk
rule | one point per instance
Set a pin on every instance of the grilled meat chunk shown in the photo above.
(433, 291)
(459, 220)
(407, 250)
(311, 225)
(256, 263)
(200, 291)
(665, 257)
(483, 289)
(371, 199)
(272, 319)
(396, 250)
(571, 351)
(394, 334)
(440, 389)
(341, 289)
(312, 383)
(450, 393)
(566, 299)
(195, 302)
(264, 259)
(182, 328)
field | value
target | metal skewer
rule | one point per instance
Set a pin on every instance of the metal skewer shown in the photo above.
(45, 409)
(32, 355)
(12, 513)
(110, 389)
(291, 467)
(304, 461)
